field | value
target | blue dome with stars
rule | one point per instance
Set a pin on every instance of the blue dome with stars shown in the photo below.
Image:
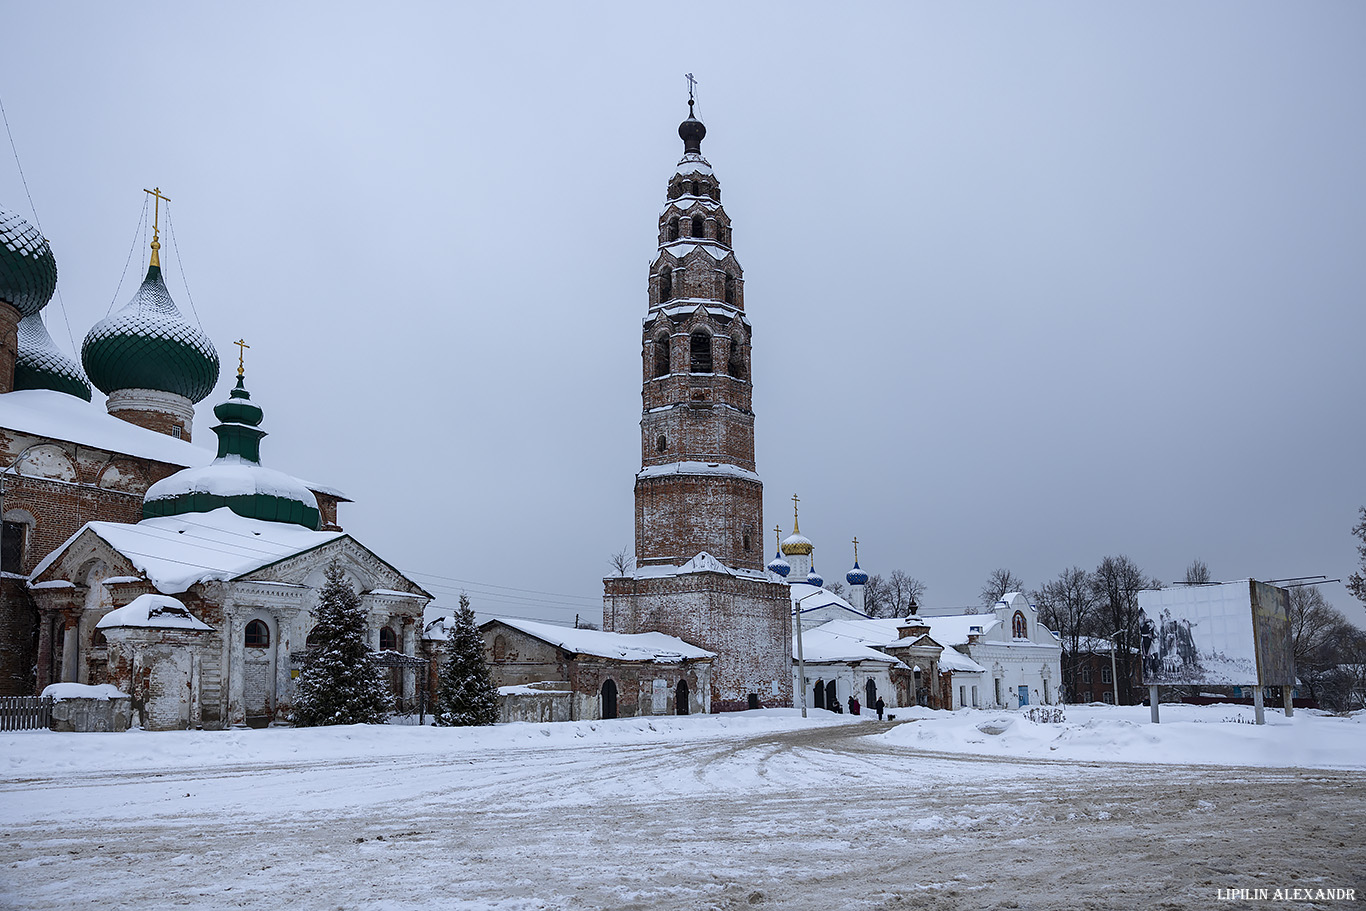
(856, 576)
(779, 565)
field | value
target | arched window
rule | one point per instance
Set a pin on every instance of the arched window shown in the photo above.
(662, 444)
(500, 648)
(1018, 627)
(666, 284)
(662, 355)
(699, 353)
(388, 640)
(609, 699)
(871, 691)
(695, 191)
(673, 229)
(257, 635)
(730, 289)
(314, 639)
(699, 226)
(681, 698)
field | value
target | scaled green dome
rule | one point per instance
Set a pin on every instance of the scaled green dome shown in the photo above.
(149, 345)
(28, 271)
(40, 364)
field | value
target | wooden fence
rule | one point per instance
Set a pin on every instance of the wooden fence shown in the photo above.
(25, 713)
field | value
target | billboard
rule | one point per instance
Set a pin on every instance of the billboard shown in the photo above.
(1230, 634)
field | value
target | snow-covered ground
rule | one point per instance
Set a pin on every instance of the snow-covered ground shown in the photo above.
(749, 809)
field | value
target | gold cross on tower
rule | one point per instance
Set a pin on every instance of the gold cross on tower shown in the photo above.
(778, 536)
(241, 350)
(156, 222)
(856, 549)
(796, 526)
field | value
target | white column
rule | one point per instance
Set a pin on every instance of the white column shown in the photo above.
(196, 689)
(69, 636)
(237, 713)
(409, 649)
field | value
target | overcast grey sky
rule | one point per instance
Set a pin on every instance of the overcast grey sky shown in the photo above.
(1030, 283)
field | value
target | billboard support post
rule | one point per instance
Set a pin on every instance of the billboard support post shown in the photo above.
(1152, 700)
(1258, 704)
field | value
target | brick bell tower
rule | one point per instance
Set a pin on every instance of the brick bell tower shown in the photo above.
(700, 571)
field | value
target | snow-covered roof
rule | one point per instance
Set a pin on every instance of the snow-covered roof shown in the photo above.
(44, 413)
(153, 611)
(950, 659)
(821, 647)
(813, 598)
(655, 647)
(681, 248)
(693, 163)
(176, 552)
(702, 563)
(230, 476)
(102, 691)
(882, 633)
(706, 468)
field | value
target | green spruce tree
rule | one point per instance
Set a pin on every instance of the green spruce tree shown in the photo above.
(340, 683)
(466, 695)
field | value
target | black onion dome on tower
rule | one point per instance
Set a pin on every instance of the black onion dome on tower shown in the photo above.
(28, 270)
(149, 345)
(692, 131)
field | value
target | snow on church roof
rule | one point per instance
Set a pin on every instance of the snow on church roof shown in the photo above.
(656, 647)
(822, 647)
(153, 611)
(707, 468)
(45, 413)
(176, 552)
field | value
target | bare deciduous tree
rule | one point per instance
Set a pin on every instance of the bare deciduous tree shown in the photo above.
(876, 600)
(1197, 573)
(835, 587)
(1067, 606)
(1315, 627)
(1116, 583)
(902, 589)
(1356, 582)
(623, 561)
(999, 583)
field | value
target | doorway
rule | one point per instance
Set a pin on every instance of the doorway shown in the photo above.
(681, 698)
(609, 699)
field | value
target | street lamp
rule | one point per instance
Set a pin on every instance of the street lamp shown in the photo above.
(801, 659)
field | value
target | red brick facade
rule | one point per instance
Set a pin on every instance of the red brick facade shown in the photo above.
(697, 490)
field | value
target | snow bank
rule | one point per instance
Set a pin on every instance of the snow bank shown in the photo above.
(1188, 735)
(104, 692)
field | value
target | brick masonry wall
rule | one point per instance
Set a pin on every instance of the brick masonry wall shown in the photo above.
(677, 516)
(697, 431)
(18, 638)
(159, 421)
(747, 622)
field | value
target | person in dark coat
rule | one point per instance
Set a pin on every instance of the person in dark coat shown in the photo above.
(880, 706)
(853, 706)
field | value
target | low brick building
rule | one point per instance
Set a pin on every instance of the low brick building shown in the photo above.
(610, 675)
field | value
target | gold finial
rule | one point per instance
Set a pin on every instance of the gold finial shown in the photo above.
(856, 550)
(796, 527)
(156, 224)
(241, 350)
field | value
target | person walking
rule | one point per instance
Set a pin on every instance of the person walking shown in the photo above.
(880, 706)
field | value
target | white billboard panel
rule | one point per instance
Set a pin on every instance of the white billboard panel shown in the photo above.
(1207, 635)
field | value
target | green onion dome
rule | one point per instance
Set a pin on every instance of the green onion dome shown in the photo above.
(235, 479)
(149, 345)
(40, 364)
(28, 271)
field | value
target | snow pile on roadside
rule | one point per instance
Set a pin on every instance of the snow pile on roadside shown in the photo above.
(1187, 735)
(46, 752)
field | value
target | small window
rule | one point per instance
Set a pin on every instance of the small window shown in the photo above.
(1106, 674)
(1086, 674)
(388, 640)
(176, 431)
(744, 542)
(699, 226)
(699, 351)
(1107, 697)
(662, 444)
(12, 546)
(500, 648)
(257, 635)
(662, 356)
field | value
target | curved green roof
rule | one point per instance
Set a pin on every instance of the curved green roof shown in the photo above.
(40, 364)
(149, 345)
(28, 271)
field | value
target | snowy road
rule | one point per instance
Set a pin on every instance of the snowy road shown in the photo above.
(824, 817)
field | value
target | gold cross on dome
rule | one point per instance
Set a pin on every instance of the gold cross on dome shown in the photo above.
(241, 350)
(691, 84)
(855, 548)
(778, 535)
(796, 526)
(156, 222)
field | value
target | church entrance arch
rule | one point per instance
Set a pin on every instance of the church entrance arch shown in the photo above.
(681, 698)
(258, 672)
(832, 701)
(871, 691)
(609, 699)
(819, 693)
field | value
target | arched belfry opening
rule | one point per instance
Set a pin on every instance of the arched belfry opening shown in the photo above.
(730, 289)
(699, 352)
(673, 229)
(666, 284)
(699, 226)
(661, 352)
